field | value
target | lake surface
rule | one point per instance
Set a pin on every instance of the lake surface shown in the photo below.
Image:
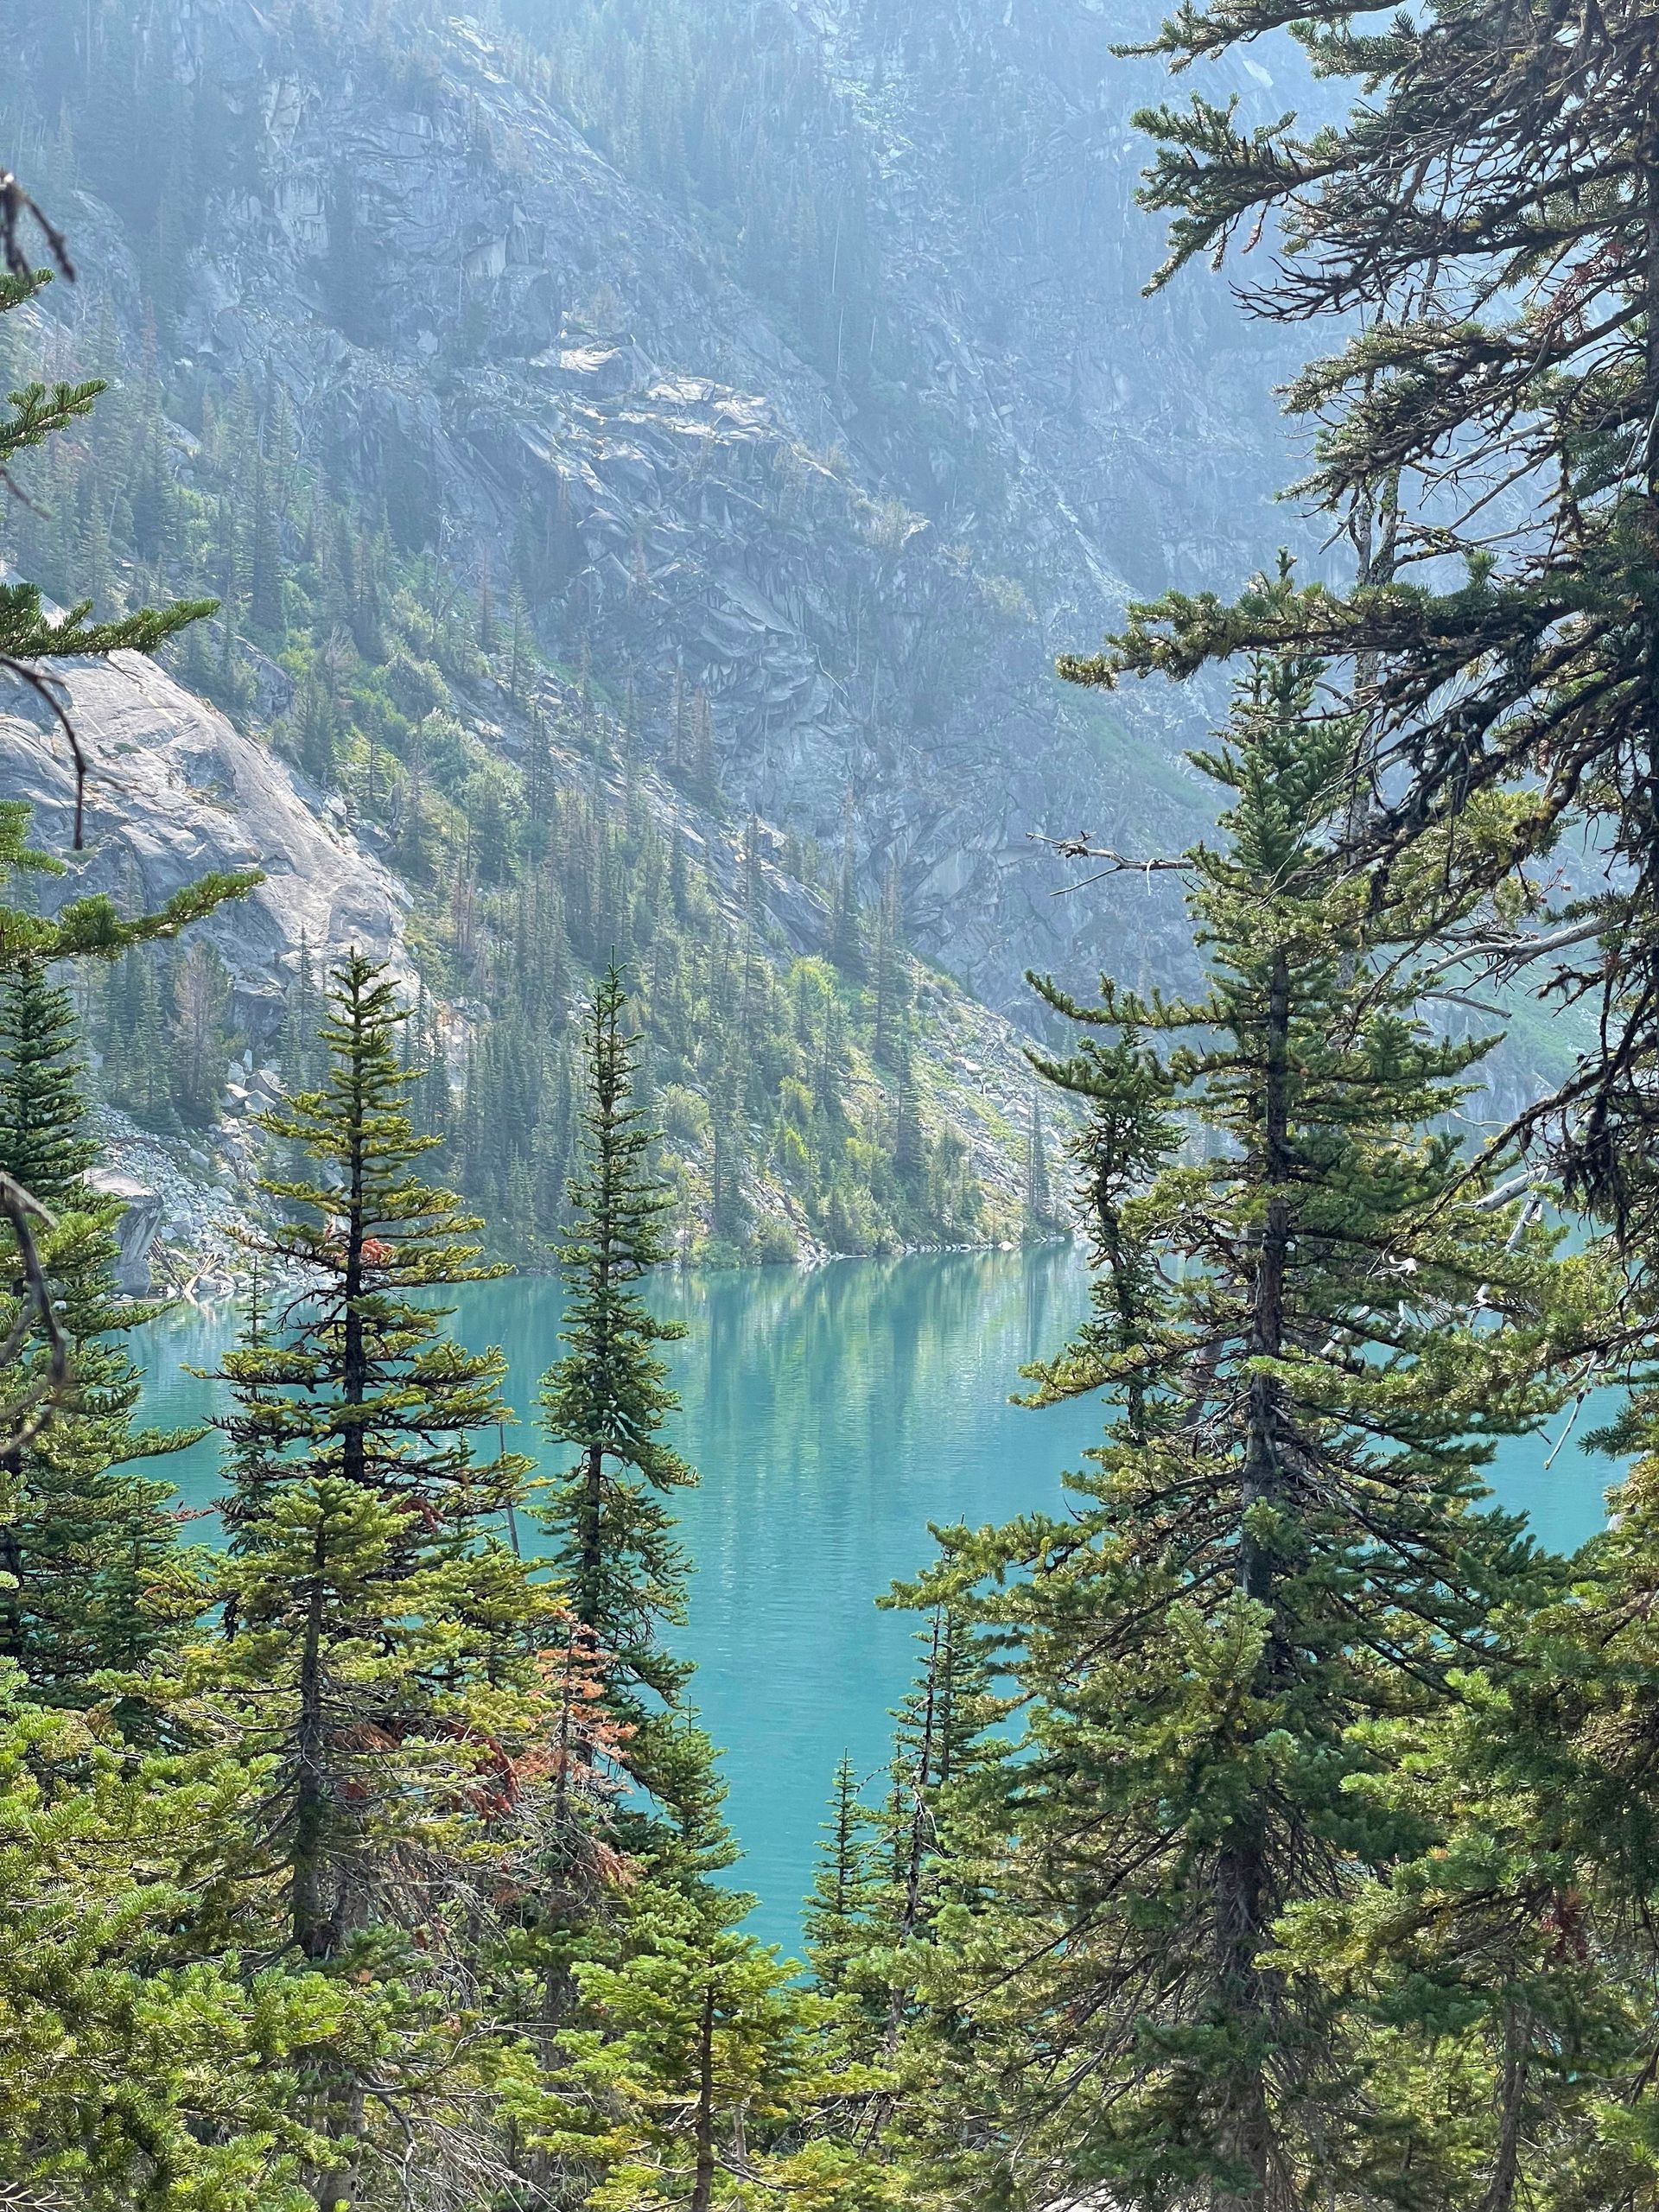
(834, 1414)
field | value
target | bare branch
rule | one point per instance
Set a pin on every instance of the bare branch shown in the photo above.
(15, 204)
(45, 686)
(1079, 848)
(33, 1409)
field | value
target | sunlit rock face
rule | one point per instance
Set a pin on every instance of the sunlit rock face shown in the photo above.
(857, 491)
(173, 792)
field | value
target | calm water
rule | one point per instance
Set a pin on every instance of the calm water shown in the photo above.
(834, 1413)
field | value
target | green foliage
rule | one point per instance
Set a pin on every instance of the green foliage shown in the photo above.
(1276, 1551)
(711, 2059)
(613, 1546)
(1496, 332)
(92, 1576)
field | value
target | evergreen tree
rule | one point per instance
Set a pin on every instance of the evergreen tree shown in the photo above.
(1496, 330)
(847, 922)
(619, 1564)
(1039, 1205)
(93, 1575)
(375, 1390)
(891, 981)
(712, 2074)
(383, 1648)
(1278, 1545)
(837, 1918)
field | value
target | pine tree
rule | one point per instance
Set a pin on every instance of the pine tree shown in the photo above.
(1503, 1964)
(1277, 1545)
(386, 1399)
(714, 2073)
(622, 1571)
(891, 981)
(847, 924)
(942, 1741)
(385, 1652)
(1039, 1205)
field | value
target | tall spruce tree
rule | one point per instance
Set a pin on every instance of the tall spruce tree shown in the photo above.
(1503, 1965)
(836, 1922)
(1320, 1322)
(394, 1670)
(620, 1566)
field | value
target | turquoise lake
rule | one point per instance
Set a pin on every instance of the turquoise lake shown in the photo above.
(834, 1413)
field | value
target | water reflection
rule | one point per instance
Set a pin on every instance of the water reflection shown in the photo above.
(834, 1414)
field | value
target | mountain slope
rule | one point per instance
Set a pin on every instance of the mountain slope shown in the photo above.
(743, 402)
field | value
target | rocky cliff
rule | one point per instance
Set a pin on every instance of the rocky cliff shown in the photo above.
(858, 489)
(175, 793)
(782, 369)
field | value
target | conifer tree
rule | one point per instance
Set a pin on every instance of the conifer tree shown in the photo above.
(1039, 1205)
(389, 1663)
(715, 2075)
(847, 922)
(362, 1398)
(1277, 1545)
(835, 1922)
(1503, 1965)
(93, 1575)
(368, 1237)
(891, 983)
(942, 1739)
(1483, 221)
(619, 1564)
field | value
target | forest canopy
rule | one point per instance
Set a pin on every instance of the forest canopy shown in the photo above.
(1271, 1824)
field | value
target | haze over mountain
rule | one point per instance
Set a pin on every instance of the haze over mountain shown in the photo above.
(785, 370)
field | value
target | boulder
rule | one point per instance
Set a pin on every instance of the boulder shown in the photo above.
(136, 1231)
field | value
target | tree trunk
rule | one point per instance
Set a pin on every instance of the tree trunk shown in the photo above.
(1243, 1903)
(591, 1550)
(702, 2195)
(1506, 2167)
(313, 1932)
(11, 1559)
(354, 1367)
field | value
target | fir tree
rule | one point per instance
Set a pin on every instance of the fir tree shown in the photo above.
(1497, 329)
(383, 1647)
(94, 1577)
(375, 1390)
(704, 2084)
(1277, 1545)
(837, 1913)
(847, 922)
(1039, 1205)
(621, 1569)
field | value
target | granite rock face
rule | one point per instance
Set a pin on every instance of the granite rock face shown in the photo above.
(865, 550)
(175, 792)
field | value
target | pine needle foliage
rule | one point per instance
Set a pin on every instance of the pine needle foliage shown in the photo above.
(92, 1576)
(360, 1377)
(1319, 1325)
(614, 1550)
(1484, 221)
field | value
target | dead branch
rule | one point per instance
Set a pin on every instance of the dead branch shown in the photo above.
(1080, 848)
(44, 687)
(35, 1408)
(15, 204)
